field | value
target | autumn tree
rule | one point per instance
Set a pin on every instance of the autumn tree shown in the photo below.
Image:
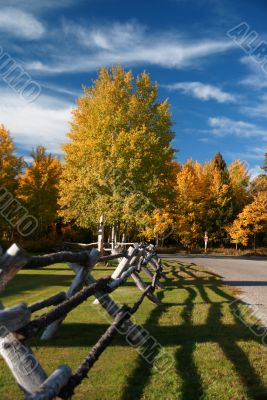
(239, 232)
(222, 203)
(259, 183)
(10, 164)
(251, 221)
(118, 160)
(204, 201)
(38, 188)
(239, 180)
(157, 225)
(10, 167)
(192, 188)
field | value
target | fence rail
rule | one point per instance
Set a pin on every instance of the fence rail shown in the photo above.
(16, 324)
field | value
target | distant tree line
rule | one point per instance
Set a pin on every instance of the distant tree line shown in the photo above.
(119, 161)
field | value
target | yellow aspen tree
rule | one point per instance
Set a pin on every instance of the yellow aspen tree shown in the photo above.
(239, 179)
(238, 233)
(191, 195)
(38, 188)
(10, 164)
(259, 184)
(252, 220)
(158, 225)
(10, 168)
(221, 205)
(118, 160)
(204, 201)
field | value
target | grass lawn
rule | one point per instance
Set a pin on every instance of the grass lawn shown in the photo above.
(214, 355)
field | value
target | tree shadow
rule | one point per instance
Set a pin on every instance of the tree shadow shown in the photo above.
(186, 336)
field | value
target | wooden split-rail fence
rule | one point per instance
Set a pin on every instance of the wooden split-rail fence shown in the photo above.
(16, 324)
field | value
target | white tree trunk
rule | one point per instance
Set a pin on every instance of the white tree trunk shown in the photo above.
(101, 235)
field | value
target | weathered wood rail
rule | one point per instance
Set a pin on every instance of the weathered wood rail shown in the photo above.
(17, 324)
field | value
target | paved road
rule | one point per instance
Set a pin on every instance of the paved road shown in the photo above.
(250, 275)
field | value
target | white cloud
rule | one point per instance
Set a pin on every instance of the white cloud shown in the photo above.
(20, 24)
(222, 126)
(257, 76)
(206, 140)
(203, 92)
(113, 37)
(257, 79)
(43, 122)
(62, 90)
(255, 171)
(258, 109)
(249, 153)
(129, 44)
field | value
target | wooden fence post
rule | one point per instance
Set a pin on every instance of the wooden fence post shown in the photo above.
(14, 318)
(51, 387)
(142, 286)
(20, 359)
(11, 262)
(101, 235)
(77, 283)
(123, 265)
(112, 309)
(113, 236)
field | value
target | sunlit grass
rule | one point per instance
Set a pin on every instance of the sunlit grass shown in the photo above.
(214, 355)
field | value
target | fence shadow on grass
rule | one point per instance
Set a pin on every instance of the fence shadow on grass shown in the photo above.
(31, 281)
(186, 336)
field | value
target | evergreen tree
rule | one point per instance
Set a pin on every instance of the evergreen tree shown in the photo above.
(264, 167)
(220, 165)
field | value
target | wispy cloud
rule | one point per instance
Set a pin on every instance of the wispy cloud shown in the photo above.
(257, 109)
(222, 126)
(73, 94)
(43, 122)
(207, 140)
(203, 91)
(20, 24)
(257, 76)
(129, 44)
(116, 36)
(256, 79)
(249, 153)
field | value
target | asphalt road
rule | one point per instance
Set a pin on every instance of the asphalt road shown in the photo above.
(249, 275)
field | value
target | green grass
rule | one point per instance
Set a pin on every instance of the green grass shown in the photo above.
(214, 356)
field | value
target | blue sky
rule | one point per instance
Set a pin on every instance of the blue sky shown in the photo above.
(217, 90)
